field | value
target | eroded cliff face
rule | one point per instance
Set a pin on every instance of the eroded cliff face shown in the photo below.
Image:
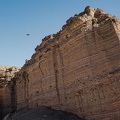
(7, 92)
(76, 69)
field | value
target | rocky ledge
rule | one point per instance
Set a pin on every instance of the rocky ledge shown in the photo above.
(7, 73)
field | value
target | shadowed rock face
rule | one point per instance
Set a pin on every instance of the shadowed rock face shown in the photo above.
(7, 95)
(77, 69)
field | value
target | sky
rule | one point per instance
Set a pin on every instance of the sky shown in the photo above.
(39, 18)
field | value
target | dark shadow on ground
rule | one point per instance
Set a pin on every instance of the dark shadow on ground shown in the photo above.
(42, 113)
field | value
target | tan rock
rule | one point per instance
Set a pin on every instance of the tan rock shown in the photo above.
(76, 69)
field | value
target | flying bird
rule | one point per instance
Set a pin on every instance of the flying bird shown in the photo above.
(27, 34)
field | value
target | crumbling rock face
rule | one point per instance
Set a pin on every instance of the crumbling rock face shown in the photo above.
(77, 69)
(7, 74)
(7, 92)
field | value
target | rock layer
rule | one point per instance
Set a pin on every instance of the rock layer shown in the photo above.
(7, 92)
(77, 69)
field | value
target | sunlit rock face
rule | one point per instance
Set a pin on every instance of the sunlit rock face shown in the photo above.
(77, 69)
(7, 92)
(7, 73)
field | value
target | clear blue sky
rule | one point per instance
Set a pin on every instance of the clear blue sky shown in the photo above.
(39, 18)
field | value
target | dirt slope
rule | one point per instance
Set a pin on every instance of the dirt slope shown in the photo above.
(41, 113)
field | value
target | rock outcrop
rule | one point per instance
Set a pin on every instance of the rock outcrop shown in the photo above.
(77, 69)
(7, 92)
(7, 73)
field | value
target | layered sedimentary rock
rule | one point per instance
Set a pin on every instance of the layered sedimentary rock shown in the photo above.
(7, 92)
(76, 69)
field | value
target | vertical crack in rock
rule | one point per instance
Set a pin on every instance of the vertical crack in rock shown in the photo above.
(84, 54)
(40, 68)
(56, 72)
(26, 81)
(13, 95)
(62, 72)
(41, 78)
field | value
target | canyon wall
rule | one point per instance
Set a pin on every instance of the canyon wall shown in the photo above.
(76, 69)
(7, 91)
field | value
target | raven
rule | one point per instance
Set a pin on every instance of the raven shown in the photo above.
(27, 34)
